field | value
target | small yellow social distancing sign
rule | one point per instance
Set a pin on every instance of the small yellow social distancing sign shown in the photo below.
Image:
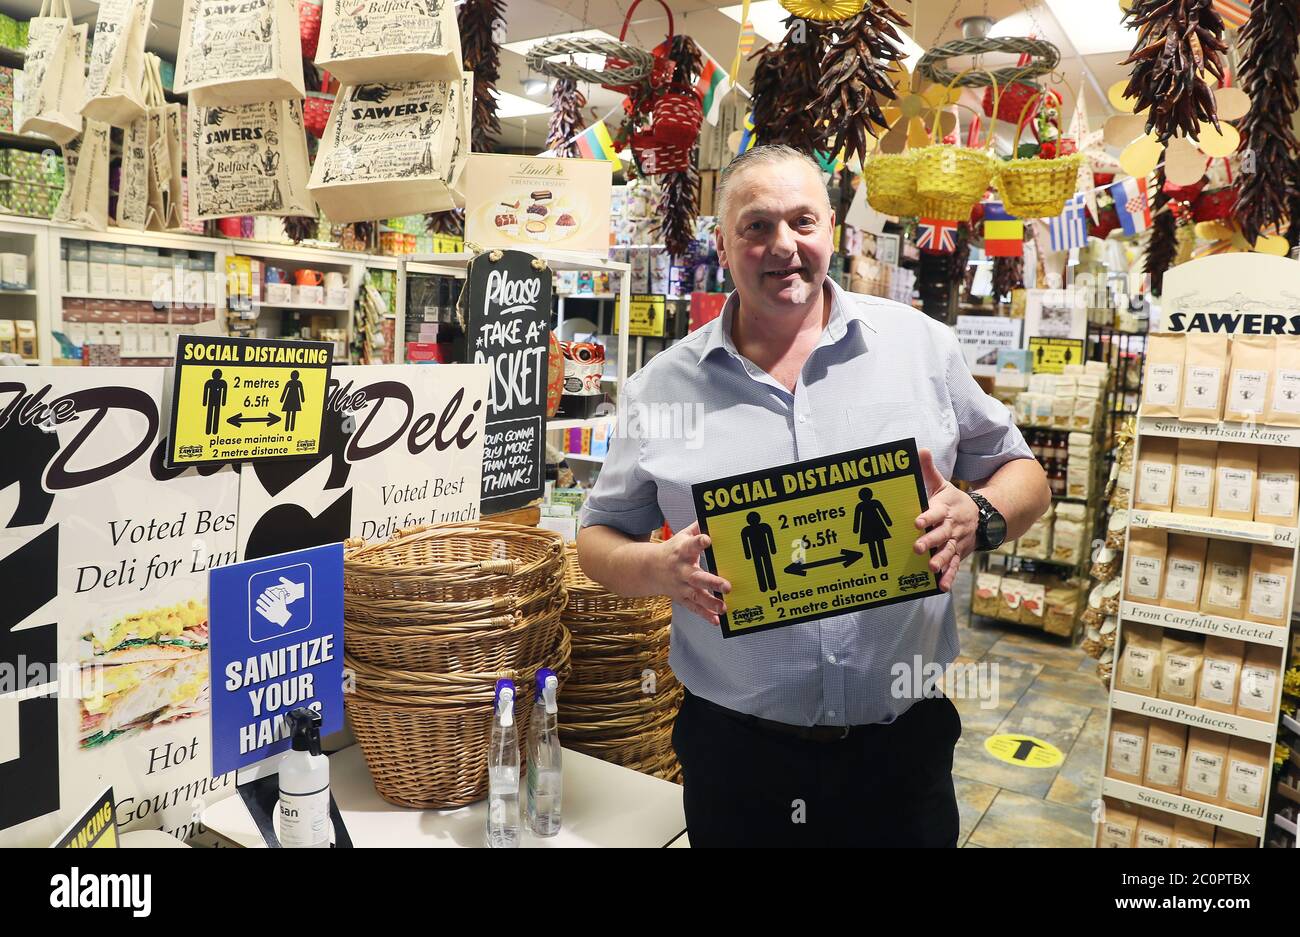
(1024, 751)
(817, 538)
(247, 399)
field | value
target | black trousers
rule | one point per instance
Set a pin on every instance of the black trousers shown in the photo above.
(883, 786)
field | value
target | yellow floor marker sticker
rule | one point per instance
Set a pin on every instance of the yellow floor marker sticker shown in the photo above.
(817, 538)
(247, 399)
(1023, 750)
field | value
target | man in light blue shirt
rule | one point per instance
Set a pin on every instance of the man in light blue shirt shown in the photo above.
(801, 735)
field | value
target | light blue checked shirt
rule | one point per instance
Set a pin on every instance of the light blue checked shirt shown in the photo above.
(881, 371)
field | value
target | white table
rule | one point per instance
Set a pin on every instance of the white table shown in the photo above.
(604, 805)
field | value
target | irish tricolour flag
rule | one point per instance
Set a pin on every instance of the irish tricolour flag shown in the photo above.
(713, 86)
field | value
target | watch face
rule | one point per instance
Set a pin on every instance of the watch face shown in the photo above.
(995, 530)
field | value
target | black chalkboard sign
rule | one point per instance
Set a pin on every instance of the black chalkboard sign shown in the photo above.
(507, 325)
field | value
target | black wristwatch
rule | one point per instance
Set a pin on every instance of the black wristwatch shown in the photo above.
(992, 529)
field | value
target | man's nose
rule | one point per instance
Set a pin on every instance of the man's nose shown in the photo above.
(783, 240)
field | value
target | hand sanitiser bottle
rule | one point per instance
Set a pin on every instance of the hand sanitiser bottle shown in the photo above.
(305, 785)
(545, 781)
(503, 771)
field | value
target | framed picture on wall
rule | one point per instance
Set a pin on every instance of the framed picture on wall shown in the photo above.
(887, 246)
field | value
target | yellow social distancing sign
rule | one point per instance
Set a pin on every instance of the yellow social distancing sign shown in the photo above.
(1024, 751)
(817, 538)
(247, 399)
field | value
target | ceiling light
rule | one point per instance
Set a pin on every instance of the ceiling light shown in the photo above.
(512, 105)
(534, 86)
(591, 60)
(1093, 28)
(769, 17)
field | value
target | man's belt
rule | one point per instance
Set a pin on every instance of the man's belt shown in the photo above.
(807, 733)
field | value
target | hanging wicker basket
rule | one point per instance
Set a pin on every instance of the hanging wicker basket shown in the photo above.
(951, 180)
(1032, 187)
(661, 68)
(678, 114)
(890, 179)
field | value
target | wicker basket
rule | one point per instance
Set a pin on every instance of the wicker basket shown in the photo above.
(410, 616)
(890, 179)
(1037, 188)
(454, 563)
(950, 180)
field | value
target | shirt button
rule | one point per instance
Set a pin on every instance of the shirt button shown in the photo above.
(830, 658)
(803, 418)
(831, 714)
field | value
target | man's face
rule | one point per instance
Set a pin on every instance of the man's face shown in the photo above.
(776, 239)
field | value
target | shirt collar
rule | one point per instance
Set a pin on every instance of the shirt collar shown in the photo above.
(844, 309)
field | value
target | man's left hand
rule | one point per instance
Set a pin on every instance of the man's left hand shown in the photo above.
(953, 519)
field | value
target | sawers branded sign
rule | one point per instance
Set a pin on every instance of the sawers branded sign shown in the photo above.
(105, 553)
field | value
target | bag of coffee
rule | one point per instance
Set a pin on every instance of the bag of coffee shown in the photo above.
(1128, 746)
(1145, 564)
(1251, 365)
(1192, 834)
(1166, 743)
(1033, 602)
(1155, 474)
(1184, 568)
(1231, 839)
(1277, 485)
(1162, 390)
(1118, 826)
(1062, 610)
(1204, 374)
(1155, 829)
(1247, 779)
(985, 601)
(1180, 666)
(1269, 587)
(1219, 674)
(1139, 663)
(1260, 671)
(1224, 589)
(1234, 481)
(1284, 401)
(1207, 763)
(1194, 484)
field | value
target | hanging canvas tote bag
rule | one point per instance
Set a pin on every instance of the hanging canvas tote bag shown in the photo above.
(387, 151)
(239, 53)
(248, 160)
(389, 40)
(166, 149)
(85, 194)
(114, 85)
(461, 148)
(55, 74)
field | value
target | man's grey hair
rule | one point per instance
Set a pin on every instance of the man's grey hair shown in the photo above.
(759, 156)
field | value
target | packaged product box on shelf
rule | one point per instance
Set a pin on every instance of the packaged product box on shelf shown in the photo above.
(1257, 689)
(1069, 539)
(1138, 669)
(1166, 743)
(1012, 590)
(1231, 839)
(13, 271)
(116, 263)
(986, 596)
(98, 268)
(1162, 384)
(1063, 412)
(1249, 377)
(1194, 485)
(1154, 478)
(1193, 834)
(1205, 765)
(1277, 485)
(8, 338)
(1146, 563)
(1205, 372)
(1226, 579)
(1220, 672)
(1269, 585)
(78, 267)
(1118, 826)
(1184, 570)
(1236, 465)
(1078, 480)
(1062, 610)
(1248, 774)
(1181, 656)
(1033, 603)
(1036, 542)
(130, 340)
(27, 341)
(1284, 402)
(1128, 747)
(1155, 829)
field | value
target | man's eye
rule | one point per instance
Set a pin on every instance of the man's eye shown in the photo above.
(754, 226)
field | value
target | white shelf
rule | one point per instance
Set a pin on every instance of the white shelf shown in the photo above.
(1258, 433)
(7, 292)
(314, 307)
(123, 298)
(1217, 527)
(1252, 631)
(587, 295)
(594, 421)
(1285, 824)
(1290, 723)
(1184, 807)
(583, 457)
(557, 260)
(1170, 711)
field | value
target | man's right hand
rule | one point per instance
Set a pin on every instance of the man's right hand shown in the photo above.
(679, 575)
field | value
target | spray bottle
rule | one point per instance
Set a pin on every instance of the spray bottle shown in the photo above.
(503, 771)
(305, 785)
(545, 780)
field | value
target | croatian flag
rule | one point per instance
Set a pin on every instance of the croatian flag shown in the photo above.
(1131, 204)
(1069, 229)
(936, 236)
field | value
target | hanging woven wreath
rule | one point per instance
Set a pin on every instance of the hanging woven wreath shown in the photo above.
(1044, 57)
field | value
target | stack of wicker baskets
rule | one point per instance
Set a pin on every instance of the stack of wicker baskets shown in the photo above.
(432, 619)
(621, 700)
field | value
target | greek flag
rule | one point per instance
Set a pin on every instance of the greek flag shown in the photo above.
(1069, 229)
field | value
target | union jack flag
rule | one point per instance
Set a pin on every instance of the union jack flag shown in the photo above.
(936, 236)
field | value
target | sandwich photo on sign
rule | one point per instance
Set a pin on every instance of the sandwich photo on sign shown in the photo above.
(817, 538)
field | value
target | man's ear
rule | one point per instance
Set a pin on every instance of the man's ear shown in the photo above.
(722, 249)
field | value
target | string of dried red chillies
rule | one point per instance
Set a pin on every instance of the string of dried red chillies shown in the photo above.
(1179, 42)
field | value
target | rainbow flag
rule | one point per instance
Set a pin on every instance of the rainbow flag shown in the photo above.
(712, 85)
(595, 143)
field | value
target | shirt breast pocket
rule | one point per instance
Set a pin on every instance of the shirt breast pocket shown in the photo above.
(933, 427)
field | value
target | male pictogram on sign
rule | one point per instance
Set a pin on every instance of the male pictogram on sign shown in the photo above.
(759, 544)
(871, 522)
(291, 400)
(214, 398)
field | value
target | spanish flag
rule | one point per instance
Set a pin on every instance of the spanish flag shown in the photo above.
(1004, 235)
(595, 143)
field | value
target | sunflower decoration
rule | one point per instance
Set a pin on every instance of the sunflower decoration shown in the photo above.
(912, 115)
(825, 11)
(1185, 159)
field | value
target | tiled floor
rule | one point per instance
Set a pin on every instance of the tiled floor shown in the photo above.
(1045, 689)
